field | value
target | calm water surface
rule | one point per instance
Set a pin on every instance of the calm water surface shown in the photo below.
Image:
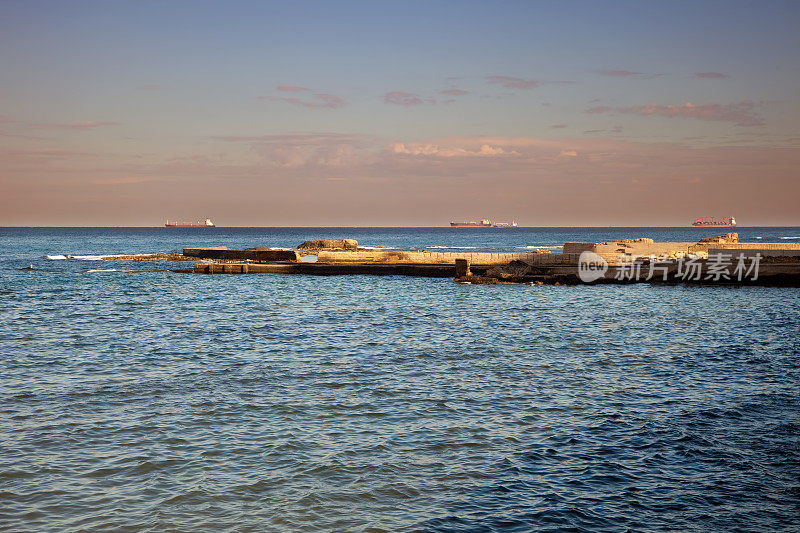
(155, 401)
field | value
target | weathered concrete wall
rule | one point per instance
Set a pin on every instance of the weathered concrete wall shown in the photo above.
(645, 249)
(329, 269)
(759, 246)
(243, 255)
(751, 252)
(378, 256)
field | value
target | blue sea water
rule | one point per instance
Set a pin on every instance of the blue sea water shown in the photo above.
(159, 401)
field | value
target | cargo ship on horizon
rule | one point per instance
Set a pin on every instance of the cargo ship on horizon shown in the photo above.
(485, 223)
(711, 222)
(183, 224)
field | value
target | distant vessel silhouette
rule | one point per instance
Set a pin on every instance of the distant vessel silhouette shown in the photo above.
(182, 224)
(485, 223)
(711, 222)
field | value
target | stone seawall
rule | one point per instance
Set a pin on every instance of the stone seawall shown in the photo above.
(644, 249)
(426, 257)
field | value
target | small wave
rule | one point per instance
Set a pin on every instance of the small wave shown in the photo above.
(785, 238)
(55, 257)
(759, 237)
(451, 247)
(377, 247)
(103, 270)
(87, 257)
(539, 247)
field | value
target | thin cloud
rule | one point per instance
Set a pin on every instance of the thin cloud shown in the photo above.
(628, 74)
(307, 150)
(743, 113)
(711, 75)
(149, 87)
(619, 73)
(126, 181)
(295, 138)
(437, 150)
(402, 98)
(50, 152)
(558, 126)
(318, 101)
(511, 82)
(85, 125)
(291, 88)
(454, 92)
(615, 129)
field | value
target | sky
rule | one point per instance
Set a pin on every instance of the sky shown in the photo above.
(257, 113)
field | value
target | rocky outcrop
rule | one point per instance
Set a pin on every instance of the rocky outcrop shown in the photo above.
(728, 238)
(328, 244)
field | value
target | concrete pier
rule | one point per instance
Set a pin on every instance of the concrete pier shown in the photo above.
(250, 254)
(717, 260)
(414, 257)
(330, 269)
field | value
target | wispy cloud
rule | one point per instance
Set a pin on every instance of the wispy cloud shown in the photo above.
(558, 126)
(628, 74)
(303, 150)
(511, 82)
(619, 73)
(319, 101)
(294, 138)
(129, 180)
(85, 125)
(5, 120)
(291, 88)
(711, 75)
(50, 152)
(615, 129)
(432, 149)
(454, 92)
(743, 113)
(402, 98)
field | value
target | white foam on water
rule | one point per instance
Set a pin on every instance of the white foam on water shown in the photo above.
(451, 247)
(103, 270)
(377, 247)
(539, 247)
(93, 257)
(785, 238)
(759, 237)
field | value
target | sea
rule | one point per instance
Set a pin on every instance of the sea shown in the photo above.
(134, 398)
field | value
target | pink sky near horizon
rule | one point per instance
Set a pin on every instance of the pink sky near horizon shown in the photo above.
(355, 180)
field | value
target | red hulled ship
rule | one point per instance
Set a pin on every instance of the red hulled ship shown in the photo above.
(711, 222)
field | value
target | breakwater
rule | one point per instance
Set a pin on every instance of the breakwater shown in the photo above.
(721, 259)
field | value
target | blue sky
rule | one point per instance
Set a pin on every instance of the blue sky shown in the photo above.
(122, 92)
